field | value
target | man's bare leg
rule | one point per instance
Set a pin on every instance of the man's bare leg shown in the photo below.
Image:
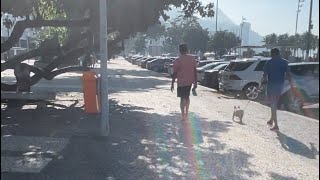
(274, 116)
(187, 106)
(182, 107)
(270, 122)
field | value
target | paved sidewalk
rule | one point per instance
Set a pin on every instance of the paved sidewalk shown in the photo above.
(148, 140)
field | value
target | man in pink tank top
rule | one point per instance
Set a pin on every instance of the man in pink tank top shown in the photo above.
(185, 72)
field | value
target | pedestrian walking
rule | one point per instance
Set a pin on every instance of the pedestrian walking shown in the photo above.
(275, 72)
(184, 69)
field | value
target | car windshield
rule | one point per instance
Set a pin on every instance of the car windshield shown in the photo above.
(208, 66)
(220, 67)
(238, 66)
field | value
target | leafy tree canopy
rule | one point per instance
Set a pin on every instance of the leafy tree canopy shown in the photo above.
(73, 28)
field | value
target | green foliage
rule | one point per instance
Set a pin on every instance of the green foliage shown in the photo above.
(18, 7)
(140, 43)
(50, 11)
(223, 40)
(283, 39)
(156, 31)
(47, 33)
(186, 30)
(270, 39)
(124, 16)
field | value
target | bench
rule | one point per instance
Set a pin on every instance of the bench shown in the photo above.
(39, 95)
(19, 98)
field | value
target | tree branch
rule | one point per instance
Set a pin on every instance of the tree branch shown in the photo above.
(47, 47)
(53, 74)
(66, 69)
(22, 25)
(39, 74)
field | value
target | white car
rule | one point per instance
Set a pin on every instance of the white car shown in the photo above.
(305, 77)
(244, 76)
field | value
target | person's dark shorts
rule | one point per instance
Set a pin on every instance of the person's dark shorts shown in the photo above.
(183, 91)
(273, 94)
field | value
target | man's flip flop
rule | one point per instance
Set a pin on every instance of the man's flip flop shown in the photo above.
(274, 129)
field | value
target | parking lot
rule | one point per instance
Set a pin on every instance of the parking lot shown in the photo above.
(241, 79)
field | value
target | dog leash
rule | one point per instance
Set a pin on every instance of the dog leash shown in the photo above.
(247, 104)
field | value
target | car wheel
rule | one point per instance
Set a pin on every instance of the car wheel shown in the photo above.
(156, 69)
(251, 92)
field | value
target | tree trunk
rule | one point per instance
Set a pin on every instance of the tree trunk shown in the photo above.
(22, 74)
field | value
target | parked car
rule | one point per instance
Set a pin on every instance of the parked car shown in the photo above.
(138, 61)
(133, 60)
(229, 57)
(200, 70)
(208, 56)
(205, 62)
(244, 76)
(168, 65)
(143, 63)
(305, 76)
(210, 77)
(157, 65)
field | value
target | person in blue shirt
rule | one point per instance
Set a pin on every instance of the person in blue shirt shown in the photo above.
(275, 73)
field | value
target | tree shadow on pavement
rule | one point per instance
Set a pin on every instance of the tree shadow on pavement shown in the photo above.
(296, 147)
(31, 119)
(141, 145)
(280, 177)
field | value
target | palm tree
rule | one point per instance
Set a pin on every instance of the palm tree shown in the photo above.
(296, 40)
(314, 42)
(270, 39)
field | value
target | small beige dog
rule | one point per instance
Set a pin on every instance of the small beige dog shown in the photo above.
(237, 112)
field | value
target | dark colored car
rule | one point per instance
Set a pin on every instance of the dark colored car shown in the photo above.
(211, 76)
(166, 66)
(143, 63)
(157, 65)
(201, 70)
(138, 61)
(134, 59)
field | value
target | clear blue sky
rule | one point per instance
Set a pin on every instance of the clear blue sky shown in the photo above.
(271, 16)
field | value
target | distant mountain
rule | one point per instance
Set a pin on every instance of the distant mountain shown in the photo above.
(224, 23)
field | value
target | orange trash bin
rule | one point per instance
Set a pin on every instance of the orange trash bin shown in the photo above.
(91, 99)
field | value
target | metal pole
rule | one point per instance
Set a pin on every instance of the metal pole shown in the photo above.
(103, 69)
(297, 17)
(217, 16)
(309, 31)
(295, 32)
(241, 37)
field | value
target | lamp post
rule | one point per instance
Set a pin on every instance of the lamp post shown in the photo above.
(104, 125)
(309, 31)
(242, 21)
(298, 11)
(217, 16)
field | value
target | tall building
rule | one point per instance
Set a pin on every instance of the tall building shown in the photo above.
(245, 33)
(154, 46)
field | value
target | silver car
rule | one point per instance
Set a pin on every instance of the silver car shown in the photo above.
(305, 76)
(244, 76)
